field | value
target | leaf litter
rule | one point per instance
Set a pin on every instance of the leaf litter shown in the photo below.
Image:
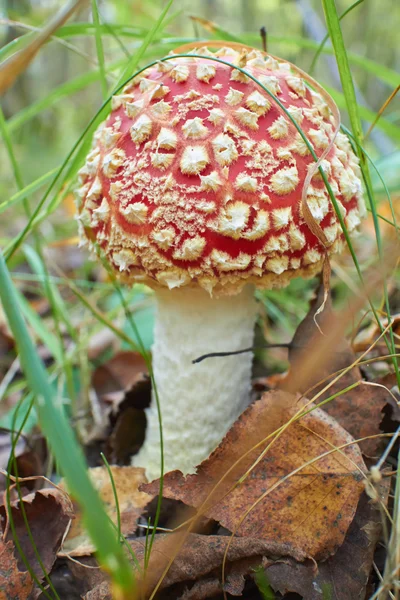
(123, 391)
(359, 410)
(131, 502)
(196, 572)
(345, 575)
(301, 492)
(15, 584)
(48, 513)
(296, 513)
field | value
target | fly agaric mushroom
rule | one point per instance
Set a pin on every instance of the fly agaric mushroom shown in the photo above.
(194, 187)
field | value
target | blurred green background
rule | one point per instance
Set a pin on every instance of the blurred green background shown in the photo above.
(371, 31)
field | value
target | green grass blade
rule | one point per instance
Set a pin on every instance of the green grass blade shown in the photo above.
(62, 91)
(134, 61)
(28, 190)
(62, 441)
(262, 583)
(99, 48)
(84, 29)
(366, 114)
(42, 332)
(326, 38)
(15, 45)
(115, 494)
(385, 74)
(54, 297)
(100, 317)
(339, 47)
(346, 78)
(58, 183)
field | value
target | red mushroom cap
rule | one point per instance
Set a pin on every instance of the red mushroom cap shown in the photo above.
(197, 175)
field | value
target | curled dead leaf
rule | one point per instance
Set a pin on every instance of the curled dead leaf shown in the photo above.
(361, 411)
(49, 513)
(302, 493)
(123, 390)
(366, 337)
(118, 374)
(339, 355)
(30, 457)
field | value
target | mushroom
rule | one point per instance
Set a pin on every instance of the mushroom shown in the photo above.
(194, 187)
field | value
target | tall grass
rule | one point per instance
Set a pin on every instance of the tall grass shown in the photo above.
(50, 410)
(137, 47)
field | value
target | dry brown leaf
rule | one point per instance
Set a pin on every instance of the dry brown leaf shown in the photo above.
(308, 513)
(197, 570)
(118, 374)
(124, 391)
(208, 25)
(366, 337)
(29, 458)
(337, 356)
(100, 592)
(361, 411)
(19, 61)
(15, 584)
(345, 575)
(131, 503)
(74, 578)
(49, 513)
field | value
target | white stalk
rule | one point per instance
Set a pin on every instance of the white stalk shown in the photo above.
(198, 402)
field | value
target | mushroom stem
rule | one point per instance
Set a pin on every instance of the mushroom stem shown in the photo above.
(199, 402)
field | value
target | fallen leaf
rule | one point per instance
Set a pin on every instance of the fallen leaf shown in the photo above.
(72, 579)
(197, 569)
(124, 391)
(361, 412)
(119, 373)
(345, 575)
(366, 337)
(49, 513)
(313, 327)
(14, 583)
(29, 458)
(310, 511)
(100, 592)
(127, 435)
(131, 503)
(314, 353)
